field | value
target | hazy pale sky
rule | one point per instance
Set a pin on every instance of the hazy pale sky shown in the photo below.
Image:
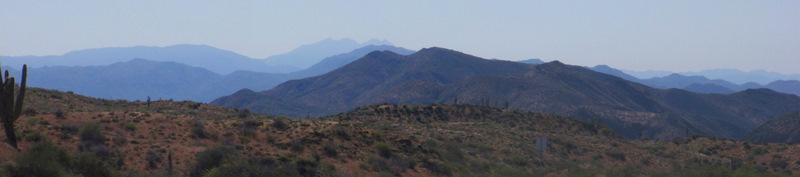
(673, 35)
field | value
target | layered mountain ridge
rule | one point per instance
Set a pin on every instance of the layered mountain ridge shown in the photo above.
(139, 78)
(437, 75)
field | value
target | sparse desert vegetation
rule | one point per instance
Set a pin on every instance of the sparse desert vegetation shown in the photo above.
(168, 138)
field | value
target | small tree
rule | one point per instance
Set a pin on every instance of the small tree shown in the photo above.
(10, 109)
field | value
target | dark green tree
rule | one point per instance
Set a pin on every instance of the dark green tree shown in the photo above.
(10, 109)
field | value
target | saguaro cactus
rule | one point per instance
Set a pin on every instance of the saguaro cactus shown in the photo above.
(10, 109)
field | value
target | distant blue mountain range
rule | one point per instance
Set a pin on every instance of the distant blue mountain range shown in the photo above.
(211, 58)
(308, 55)
(731, 75)
(139, 78)
(702, 84)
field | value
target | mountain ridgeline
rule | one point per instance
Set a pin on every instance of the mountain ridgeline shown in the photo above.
(138, 79)
(701, 84)
(783, 129)
(437, 75)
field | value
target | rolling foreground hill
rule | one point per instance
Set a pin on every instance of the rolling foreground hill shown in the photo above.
(784, 129)
(436, 75)
(66, 134)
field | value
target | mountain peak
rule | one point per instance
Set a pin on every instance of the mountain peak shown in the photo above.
(434, 49)
(531, 61)
(554, 63)
(380, 54)
(377, 42)
(603, 67)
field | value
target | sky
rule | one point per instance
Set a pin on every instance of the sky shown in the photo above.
(675, 35)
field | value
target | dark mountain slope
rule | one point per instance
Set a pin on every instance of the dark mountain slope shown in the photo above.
(708, 88)
(615, 72)
(570, 90)
(438, 75)
(785, 129)
(681, 81)
(379, 73)
(335, 62)
(785, 86)
(371, 79)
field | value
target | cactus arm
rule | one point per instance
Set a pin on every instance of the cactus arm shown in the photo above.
(8, 101)
(9, 96)
(21, 96)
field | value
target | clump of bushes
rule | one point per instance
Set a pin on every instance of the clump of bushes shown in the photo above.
(280, 124)
(221, 161)
(198, 129)
(130, 126)
(61, 114)
(35, 136)
(616, 155)
(210, 158)
(153, 159)
(437, 168)
(331, 150)
(384, 149)
(46, 159)
(249, 127)
(91, 135)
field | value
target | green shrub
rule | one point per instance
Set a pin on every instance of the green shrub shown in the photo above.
(46, 159)
(517, 161)
(87, 164)
(384, 149)
(35, 136)
(616, 155)
(30, 112)
(507, 171)
(437, 168)
(60, 114)
(342, 132)
(43, 159)
(91, 135)
(130, 126)
(68, 129)
(452, 153)
(210, 158)
(331, 150)
(778, 164)
(249, 127)
(153, 159)
(280, 124)
(431, 146)
(198, 129)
